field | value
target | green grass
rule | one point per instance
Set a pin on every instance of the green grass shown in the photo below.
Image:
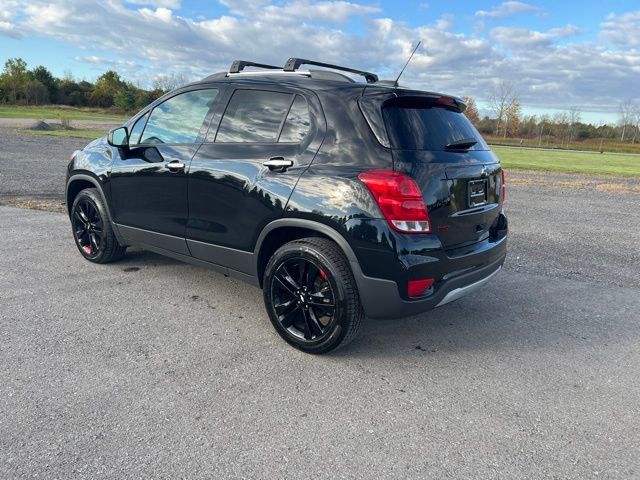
(590, 144)
(90, 134)
(53, 112)
(570, 162)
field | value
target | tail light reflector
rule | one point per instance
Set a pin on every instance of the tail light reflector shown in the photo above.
(399, 199)
(416, 288)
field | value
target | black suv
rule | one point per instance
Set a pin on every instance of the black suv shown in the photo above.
(340, 199)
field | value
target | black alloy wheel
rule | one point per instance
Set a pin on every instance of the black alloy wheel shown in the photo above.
(303, 298)
(92, 230)
(310, 295)
(88, 227)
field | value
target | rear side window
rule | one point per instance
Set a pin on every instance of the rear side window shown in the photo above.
(416, 124)
(298, 122)
(253, 116)
(178, 120)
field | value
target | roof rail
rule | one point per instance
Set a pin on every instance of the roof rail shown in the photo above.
(294, 63)
(238, 65)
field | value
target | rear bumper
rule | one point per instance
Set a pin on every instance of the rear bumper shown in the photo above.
(381, 298)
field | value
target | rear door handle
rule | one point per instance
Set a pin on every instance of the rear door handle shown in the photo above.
(278, 163)
(175, 166)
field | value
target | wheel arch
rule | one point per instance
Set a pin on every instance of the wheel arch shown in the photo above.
(284, 230)
(82, 181)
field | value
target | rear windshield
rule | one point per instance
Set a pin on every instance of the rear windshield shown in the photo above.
(414, 124)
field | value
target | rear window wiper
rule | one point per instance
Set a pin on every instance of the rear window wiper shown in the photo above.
(464, 144)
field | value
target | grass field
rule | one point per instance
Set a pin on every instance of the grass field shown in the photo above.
(570, 162)
(54, 112)
(90, 134)
(591, 144)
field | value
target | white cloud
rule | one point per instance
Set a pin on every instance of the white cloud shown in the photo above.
(150, 40)
(101, 61)
(332, 11)
(171, 4)
(507, 9)
(160, 13)
(445, 22)
(622, 30)
(9, 30)
(514, 38)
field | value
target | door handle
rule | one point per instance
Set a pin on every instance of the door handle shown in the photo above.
(278, 163)
(175, 166)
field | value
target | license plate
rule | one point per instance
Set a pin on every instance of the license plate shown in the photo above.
(477, 192)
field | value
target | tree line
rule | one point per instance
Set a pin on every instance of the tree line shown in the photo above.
(506, 120)
(20, 85)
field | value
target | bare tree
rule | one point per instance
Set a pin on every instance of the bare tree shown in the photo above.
(561, 126)
(626, 117)
(573, 118)
(170, 82)
(636, 123)
(502, 102)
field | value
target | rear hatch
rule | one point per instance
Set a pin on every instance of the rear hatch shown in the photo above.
(434, 143)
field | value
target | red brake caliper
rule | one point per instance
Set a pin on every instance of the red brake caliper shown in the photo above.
(87, 249)
(323, 274)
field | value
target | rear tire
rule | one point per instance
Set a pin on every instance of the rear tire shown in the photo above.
(311, 296)
(92, 230)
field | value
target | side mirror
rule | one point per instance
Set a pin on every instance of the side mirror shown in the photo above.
(118, 137)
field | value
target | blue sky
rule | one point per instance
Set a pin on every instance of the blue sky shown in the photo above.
(556, 54)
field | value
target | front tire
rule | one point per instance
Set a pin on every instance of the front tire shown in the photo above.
(311, 297)
(92, 230)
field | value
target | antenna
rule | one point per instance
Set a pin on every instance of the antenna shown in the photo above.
(405, 65)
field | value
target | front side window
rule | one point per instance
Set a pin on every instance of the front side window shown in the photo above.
(253, 116)
(136, 131)
(178, 120)
(298, 122)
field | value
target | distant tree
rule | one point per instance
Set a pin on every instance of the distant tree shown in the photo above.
(472, 110)
(625, 118)
(45, 77)
(487, 126)
(573, 118)
(560, 126)
(512, 118)
(105, 89)
(528, 126)
(145, 97)
(125, 99)
(504, 104)
(544, 125)
(635, 120)
(35, 93)
(169, 82)
(13, 78)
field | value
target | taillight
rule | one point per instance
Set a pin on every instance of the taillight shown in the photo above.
(399, 199)
(503, 187)
(446, 100)
(417, 288)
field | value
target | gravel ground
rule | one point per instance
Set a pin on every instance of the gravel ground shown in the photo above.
(34, 166)
(154, 368)
(575, 226)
